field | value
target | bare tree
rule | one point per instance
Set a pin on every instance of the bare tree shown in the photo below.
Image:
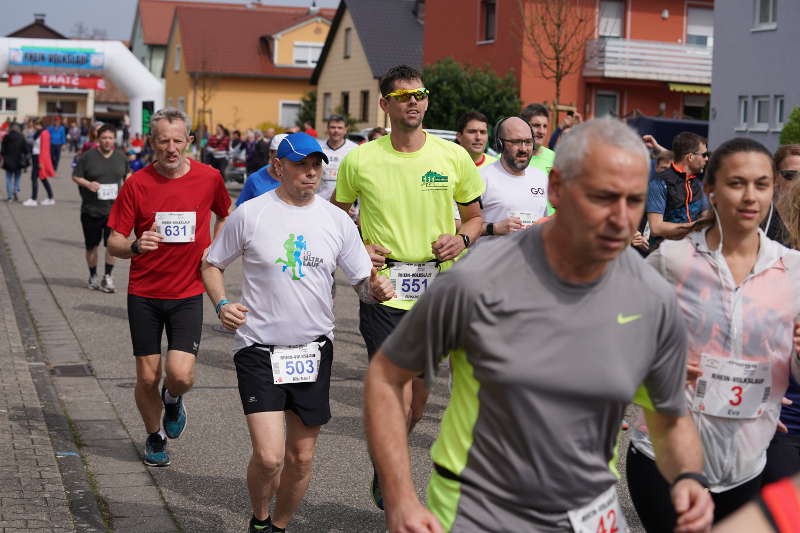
(82, 31)
(558, 31)
(204, 84)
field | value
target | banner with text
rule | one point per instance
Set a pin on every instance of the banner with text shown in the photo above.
(59, 80)
(45, 57)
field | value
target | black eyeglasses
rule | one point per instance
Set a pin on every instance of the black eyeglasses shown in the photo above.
(789, 174)
(703, 154)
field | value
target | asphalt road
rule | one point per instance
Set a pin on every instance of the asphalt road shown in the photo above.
(205, 486)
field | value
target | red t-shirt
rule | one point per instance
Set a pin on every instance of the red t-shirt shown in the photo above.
(173, 270)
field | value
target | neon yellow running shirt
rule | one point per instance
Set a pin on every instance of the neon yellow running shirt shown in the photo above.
(406, 199)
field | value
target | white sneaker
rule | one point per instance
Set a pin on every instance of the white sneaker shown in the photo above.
(30, 202)
(93, 283)
(49, 201)
(107, 285)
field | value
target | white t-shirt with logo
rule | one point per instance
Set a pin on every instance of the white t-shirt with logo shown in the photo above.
(289, 255)
(509, 195)
(328, 183)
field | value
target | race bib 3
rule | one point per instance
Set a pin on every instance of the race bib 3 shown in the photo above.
(732, 388)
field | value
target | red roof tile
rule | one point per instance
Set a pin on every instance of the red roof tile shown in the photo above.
(231, 41)
(155, 16)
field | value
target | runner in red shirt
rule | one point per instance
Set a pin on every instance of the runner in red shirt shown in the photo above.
(168, 206)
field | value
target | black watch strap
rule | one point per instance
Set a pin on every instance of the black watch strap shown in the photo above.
(466, 240)
(700, 478)
(490, 228)
(135, 250)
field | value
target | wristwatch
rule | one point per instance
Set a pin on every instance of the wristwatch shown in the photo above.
(135, 250)
(490, 228)
(465, 238)
(697, 476)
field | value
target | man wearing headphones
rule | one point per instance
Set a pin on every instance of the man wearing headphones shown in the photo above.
(516, 192)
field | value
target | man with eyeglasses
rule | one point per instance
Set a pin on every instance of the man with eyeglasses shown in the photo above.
(516, 192)
(675, 200)
(406, 183)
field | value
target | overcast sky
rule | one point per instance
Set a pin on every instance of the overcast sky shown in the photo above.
(115, 17)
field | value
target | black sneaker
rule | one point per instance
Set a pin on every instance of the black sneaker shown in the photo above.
(253, 528)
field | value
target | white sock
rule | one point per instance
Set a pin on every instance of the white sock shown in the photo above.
(169, 398)
(162, 434)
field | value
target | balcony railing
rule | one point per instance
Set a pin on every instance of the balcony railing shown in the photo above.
(648, 60)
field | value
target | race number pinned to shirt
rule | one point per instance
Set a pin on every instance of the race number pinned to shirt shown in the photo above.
(107, 191)
(176, 226)
(525, 217)
(295, 364)
(603, 515)
(411, 280)
(732, 388)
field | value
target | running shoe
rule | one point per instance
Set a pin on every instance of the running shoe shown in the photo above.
(155, 451)
(107, 285)
(93, 283)
(49, 201)
(30, 202)
(376, 492)
(253, 528)
(174, 420)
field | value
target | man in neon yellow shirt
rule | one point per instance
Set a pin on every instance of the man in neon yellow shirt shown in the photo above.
(473, 134)
(406, 183)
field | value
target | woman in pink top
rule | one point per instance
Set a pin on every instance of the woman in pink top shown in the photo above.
(740, 293)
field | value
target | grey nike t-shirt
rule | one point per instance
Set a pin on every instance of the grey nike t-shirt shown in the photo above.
(543, 370)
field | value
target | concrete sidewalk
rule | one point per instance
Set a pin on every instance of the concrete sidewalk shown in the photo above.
(32, 495)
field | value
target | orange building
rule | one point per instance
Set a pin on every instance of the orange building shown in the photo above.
(646, 56)
(242, 67)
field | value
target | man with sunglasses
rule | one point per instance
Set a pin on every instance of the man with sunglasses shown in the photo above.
(675, 200)
(406, 183)
(516, 191)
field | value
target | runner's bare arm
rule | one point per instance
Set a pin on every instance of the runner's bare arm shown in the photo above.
(86, 184)
(374, 289)
(218, 223)
(231, 314)
(344, 206)
(386, 425)
(668, 230)
(120, 246)
(679, 450)
(447, 247)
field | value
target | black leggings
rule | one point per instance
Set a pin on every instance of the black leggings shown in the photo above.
(651, 495)
(35, 180)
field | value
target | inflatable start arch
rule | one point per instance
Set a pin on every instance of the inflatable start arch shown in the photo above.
(88, 58)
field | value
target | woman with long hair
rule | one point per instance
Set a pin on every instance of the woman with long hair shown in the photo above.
(739, 292)
(783, 455)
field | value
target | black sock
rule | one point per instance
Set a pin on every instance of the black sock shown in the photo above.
(92, 271)
(266, 523)
(109, 268)
(278, 529)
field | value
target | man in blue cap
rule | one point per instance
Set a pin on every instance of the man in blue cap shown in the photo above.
(290, 242)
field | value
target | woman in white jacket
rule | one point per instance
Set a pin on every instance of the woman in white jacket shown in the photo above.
(740, 294)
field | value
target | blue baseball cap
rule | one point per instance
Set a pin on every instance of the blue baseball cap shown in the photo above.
(298, 146)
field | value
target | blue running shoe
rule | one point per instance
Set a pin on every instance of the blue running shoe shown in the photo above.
(155, 451)
(376, 492)
(174, 420)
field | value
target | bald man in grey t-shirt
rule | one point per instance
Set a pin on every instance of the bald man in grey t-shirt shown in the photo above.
(552, 331)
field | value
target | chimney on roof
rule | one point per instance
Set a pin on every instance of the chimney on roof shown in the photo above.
(38, 18)
(313, 10)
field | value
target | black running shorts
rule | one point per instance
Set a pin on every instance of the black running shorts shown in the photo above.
(182, 318)
(259, 394)
(376, 322)
(94, 229)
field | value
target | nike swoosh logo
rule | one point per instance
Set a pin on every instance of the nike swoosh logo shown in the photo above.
(621, 319)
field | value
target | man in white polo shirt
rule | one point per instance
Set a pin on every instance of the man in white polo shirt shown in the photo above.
(290, 242)
(516, 193)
